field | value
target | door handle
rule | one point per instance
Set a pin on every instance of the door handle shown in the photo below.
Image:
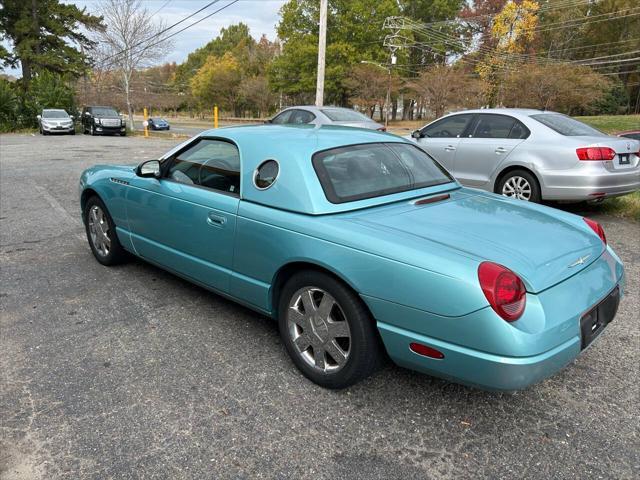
(216, 220)
(500, 150)
(449, 148)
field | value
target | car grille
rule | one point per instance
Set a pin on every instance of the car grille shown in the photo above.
(110, 122)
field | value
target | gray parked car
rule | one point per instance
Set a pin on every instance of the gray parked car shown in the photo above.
(55, 120)
(325, 116)
(532, 154)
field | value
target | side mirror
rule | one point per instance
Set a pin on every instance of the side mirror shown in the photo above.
(416, 134)
(87, 114)
(71, 117)
(268, 120)
(149, 169)
(39, 117)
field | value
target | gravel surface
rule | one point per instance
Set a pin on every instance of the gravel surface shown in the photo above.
(130, 372)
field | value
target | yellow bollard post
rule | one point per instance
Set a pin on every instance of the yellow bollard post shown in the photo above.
(215, 116)
(146, 122)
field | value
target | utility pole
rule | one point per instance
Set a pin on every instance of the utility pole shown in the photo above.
(322, 46)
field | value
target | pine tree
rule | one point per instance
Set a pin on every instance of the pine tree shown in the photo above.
(45, 35)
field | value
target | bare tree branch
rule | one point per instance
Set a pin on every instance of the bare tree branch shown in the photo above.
(131, 40)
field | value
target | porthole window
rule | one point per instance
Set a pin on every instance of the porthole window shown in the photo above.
(266, 174)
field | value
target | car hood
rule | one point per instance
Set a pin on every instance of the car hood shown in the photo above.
(542, 245)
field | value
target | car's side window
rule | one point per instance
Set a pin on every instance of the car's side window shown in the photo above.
(493, 126)
(209, 163)
(282, 118)
(519, 131)
(448, 127)
(300, 117)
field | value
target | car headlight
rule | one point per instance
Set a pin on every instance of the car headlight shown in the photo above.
(97, 121)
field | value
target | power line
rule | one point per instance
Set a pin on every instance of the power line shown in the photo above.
(156, 35)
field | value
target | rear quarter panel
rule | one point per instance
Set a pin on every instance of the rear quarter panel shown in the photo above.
(268, 239)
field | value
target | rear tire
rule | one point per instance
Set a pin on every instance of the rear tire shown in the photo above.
(327, 330)
(101, 233)
(520, 184)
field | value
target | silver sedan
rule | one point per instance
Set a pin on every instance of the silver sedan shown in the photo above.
(532, 154)
(324, 116)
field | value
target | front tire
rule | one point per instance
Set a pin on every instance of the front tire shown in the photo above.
(520, 184)
(327, 330)
(101, 233)
(92, 131)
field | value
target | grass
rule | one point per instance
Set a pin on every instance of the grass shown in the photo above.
(627, 206)
(613, 123)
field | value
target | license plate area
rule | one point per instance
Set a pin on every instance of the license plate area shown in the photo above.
(595, 320)
(624, 159)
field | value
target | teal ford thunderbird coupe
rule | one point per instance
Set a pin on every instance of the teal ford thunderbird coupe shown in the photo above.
(360, 245)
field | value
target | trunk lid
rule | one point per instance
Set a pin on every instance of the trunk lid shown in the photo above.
(535, 242)
(626, 150)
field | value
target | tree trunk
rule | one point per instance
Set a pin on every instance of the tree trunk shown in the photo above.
(127, 92)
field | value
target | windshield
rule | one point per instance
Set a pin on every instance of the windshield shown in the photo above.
(104, 112)
(345, 115)
(54, 114)
(566, 126)
(371, 170)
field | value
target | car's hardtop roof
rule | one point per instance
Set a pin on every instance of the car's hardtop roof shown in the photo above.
(506, 111)
(292, 146)
(54, 110)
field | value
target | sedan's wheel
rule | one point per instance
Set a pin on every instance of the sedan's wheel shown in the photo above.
(521, 185)
(101, 233)
(92, 132)
(327, 331)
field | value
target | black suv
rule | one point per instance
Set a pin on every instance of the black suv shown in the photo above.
(101, 120)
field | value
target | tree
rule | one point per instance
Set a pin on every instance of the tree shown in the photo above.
(131, 40)
(8, 106)
(513, 29)
(367, 85)
(354, 34)
(217, 82)
(563, 87)
(45, 35)
(443, 86)
(256, 95)
(228, 40)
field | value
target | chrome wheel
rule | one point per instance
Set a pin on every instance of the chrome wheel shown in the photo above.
(319, 330)
(99, 231)
(517, 187)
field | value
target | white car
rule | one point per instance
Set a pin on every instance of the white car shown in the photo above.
(532, 154)
(54, 120)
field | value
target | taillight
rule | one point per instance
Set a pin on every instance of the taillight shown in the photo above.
(382, 129)
(596, 227)
(504, 290)
(595, 153)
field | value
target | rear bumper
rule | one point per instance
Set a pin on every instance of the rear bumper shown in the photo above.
(475, 368)
(588, 185)
(482, 350)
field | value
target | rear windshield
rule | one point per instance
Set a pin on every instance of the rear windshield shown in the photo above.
(345, 115)
(371, 170)
(104, 112)
(54, 114)
(564, 125)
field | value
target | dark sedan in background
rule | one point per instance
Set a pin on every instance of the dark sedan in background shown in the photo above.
(157, 123)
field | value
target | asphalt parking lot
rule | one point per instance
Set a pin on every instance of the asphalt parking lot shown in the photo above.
(130, 372)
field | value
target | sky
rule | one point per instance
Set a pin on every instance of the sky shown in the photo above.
(260, 15)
